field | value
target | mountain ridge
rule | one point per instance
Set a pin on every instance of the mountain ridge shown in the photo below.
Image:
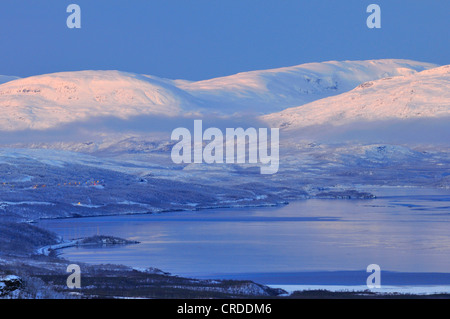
(422, 95)
(50, 100)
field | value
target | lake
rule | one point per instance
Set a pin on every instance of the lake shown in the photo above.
(406, 231)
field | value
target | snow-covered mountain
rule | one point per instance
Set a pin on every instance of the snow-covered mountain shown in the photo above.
(47, 101)
(274, 90)
(44, 101)
(420, 95)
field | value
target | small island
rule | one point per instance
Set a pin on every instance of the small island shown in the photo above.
(105, 241)
(348, 194)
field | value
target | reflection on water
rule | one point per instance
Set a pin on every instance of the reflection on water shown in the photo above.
(406, 230)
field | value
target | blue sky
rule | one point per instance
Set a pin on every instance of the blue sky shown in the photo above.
(200, 39)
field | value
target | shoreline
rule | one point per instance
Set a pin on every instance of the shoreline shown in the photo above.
(165, 211)
(414, 289)
(358, 188)
(384, 290)
(85, 241)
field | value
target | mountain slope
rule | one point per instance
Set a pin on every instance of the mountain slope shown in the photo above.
(422, 95)
(46, 101)
(274, 90)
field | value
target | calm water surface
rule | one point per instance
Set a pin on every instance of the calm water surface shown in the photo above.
(405, 230)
